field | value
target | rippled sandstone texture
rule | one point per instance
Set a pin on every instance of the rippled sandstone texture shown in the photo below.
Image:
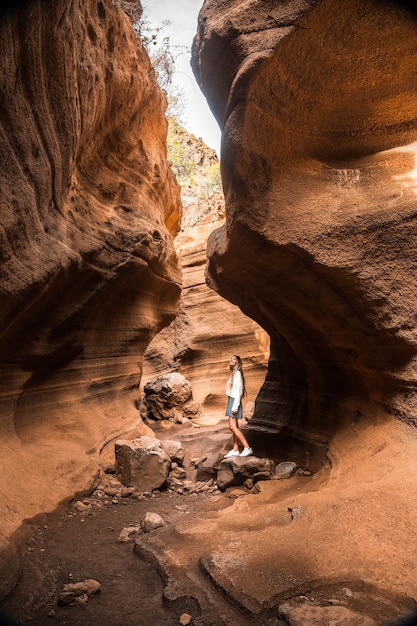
(88, 272)
(318, 117)
(317, 104)
(208, 329)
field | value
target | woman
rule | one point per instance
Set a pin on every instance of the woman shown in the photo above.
(235, 390)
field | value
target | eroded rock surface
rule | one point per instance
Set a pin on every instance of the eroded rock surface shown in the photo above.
(88, 272)
(168, 397)
(206, 332)
(318, 168)
(316, 101)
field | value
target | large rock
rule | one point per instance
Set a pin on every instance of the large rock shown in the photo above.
(168, 397)
(236, 470)
(142, 463)
(88, 271)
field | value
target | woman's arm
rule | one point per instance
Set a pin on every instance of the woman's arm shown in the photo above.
(237, 390)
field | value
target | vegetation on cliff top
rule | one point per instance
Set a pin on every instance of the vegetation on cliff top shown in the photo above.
(195, 165)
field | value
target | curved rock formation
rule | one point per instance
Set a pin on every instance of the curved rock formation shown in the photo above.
(318, 164)
(208, 329)
(317, 104)
(88, 272)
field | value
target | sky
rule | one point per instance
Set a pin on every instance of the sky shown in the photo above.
(178, 19)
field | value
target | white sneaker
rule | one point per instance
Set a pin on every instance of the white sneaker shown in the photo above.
(246, 452)
(231, 453)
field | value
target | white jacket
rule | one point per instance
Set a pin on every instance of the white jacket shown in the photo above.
(234, 389)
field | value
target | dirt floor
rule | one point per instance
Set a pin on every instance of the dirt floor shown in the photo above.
(71, 545)
(82, 541)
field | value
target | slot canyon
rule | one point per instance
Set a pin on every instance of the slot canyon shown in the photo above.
(304, 264)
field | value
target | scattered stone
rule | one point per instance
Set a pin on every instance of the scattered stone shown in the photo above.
(151, 521)
(126, 492)
(80, 592)
(235, 471)
(185, 619)
(178, 473)
(81, 507)
(285, 470)
(126, 534)
(208, 466)
(82, 599)
(300, 615)
(174, 450)
(111, 491)
(295, 511)
(236, 493)
(303, 472)
(196, 461)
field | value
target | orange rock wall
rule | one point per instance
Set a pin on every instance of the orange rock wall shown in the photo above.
(208, 329)
(88, 271)
(317, 106)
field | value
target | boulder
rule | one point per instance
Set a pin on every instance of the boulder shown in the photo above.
(142, 463)
(78, 592)
(168, 397)
(207, 468)
(285, 470)
(236, 470)
(174, 450)
(151, 521)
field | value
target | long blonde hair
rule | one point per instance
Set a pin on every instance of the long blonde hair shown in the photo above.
(238, 368)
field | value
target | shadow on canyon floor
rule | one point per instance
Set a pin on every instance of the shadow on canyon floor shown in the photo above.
(72, 545)
(81, 541)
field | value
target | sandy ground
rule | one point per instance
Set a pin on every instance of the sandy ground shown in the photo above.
(70, 546)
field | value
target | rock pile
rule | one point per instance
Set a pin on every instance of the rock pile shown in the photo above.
(147, 464)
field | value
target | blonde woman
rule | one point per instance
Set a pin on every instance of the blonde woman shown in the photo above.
(235, 391)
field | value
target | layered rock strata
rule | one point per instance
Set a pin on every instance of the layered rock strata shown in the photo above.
(206, 332)
(317, 108)
(88, 271)
(317, 105)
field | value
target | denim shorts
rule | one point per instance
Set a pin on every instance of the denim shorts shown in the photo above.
(229, 413)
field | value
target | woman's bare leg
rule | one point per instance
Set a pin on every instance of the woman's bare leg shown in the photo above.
(238, 436)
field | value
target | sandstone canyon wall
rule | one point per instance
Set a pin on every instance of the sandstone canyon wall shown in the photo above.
(209, 328)
(317, 101)
(88, 270)
(318, 162)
